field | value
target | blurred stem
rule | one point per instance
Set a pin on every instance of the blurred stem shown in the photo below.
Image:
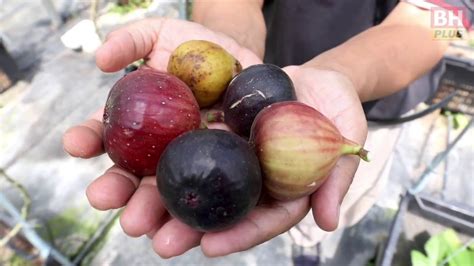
(215, 116)
(203, 125)
(24, 210)
(94, 7)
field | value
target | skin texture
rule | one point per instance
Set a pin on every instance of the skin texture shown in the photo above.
(378, 61)
(248, 30)
(320, 84)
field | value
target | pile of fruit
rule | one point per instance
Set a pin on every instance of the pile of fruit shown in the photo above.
(210, 178)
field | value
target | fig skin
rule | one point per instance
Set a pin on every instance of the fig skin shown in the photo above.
(209, 179)
(145, 110)
(252, 90)
(297, 147)
(205, 67)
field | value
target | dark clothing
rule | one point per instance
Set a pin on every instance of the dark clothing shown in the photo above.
(299, 30)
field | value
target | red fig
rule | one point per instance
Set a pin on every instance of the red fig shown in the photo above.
(146, 110)
(297, 147)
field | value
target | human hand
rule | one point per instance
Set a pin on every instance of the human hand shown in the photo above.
(334, 95)
(144, 213)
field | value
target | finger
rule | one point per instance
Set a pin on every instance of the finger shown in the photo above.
(144, 210)
(326, 201)
(85, 140)
(174, 32)
(163, 220)
(128, 44)
(262, 224)
(112, 190)
(221, 126)
(175, 238)
(155, 39)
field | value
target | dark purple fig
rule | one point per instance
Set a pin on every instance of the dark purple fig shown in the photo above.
(252, 90)
(209, 179)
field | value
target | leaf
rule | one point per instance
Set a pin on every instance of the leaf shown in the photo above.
(460, 120)
(451, 239)
(464, 258)
(418, 259)
(436, 248)
(441, 245)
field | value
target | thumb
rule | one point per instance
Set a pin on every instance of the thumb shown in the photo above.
(128, 44)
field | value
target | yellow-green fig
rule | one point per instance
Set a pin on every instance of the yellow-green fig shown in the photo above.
(297, 147)
(205, 67)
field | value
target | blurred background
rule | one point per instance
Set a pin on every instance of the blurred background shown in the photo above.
(49, 82)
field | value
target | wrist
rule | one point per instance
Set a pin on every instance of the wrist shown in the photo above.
(319, 87)
(340, 72)
(248, 31)
(247, 41)
(360, 75)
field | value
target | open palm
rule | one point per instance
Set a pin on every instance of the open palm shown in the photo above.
(334, 95)
(144, 214)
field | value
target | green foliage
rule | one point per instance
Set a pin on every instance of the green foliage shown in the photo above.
(460, 120)
(471, 42)
(131, 6)
(418, 259)
(100, 242)
(69, 230)
(16, 260)
(446, 249)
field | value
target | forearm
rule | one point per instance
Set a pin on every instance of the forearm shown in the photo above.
(388, 57)
(240, 19)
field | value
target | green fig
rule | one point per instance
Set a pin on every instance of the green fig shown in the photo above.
(298, 147)
(205, 67)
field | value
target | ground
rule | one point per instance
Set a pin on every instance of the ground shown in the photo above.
(61, 87)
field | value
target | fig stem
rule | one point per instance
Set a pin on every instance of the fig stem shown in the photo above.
(364, 154)
(352, 148)
(203, 125)
(215, 116)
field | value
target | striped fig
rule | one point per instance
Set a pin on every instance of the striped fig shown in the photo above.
(297, 147)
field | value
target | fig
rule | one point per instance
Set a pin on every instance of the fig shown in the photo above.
(145, 110)
(209, 179)
(250, 91)
(297, 147)
(205, 67)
